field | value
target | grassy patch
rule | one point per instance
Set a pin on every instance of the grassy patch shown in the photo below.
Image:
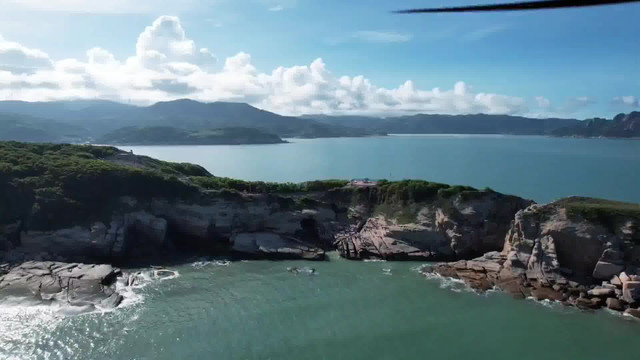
(599, 210)
(410, 191)
(261, 187)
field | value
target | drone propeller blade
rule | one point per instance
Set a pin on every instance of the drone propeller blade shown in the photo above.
(525, 5)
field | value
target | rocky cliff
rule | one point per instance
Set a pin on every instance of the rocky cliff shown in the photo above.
(99, 204)
(460, 227)
(581, 251)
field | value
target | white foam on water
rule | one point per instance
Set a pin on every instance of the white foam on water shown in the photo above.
(449, 283)
(551, 304)
(24, 320)
(157, 275)
(419, 268)
(202, 264)
(374, 260)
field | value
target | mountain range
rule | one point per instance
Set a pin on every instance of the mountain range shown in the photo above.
(88, 120)
(622, 126)
(101, 117)
(451, 124)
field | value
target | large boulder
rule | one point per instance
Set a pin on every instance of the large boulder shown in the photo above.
(65, 284)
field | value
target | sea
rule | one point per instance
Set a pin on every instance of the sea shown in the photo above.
(216, 309)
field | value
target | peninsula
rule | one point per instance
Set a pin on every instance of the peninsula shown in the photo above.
(63, 205)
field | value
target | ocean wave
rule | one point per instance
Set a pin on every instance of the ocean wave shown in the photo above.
(25, 321)
(205, 263)
(128, 285)
(419, 268)
(551, 304)
(449, 283)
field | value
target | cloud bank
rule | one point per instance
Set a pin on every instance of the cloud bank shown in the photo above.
(168, 65)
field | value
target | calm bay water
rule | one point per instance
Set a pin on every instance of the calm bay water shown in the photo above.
(353, 310)
(535, 167)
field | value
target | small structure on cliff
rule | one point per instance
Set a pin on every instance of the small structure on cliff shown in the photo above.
(363, 182)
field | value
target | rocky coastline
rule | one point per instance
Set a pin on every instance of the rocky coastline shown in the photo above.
(583, 252)
(553, 252)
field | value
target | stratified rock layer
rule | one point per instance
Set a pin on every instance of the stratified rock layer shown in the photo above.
(444, 229)
(550, 254)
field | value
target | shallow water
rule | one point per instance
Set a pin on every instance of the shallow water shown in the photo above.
(347, 310)
(535, 167)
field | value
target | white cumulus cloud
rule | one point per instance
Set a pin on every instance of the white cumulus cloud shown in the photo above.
(20, 59)
(168, 65)
(165, 42)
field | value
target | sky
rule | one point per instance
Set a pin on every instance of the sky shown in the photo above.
(324, 56)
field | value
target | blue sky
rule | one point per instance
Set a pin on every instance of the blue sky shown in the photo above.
(573, 62)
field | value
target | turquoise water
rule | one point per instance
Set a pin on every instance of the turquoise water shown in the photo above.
(535, 167)
(348, 310)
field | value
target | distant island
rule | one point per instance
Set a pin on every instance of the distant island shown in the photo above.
(81, 121)
(622, 126)
(165, 135)
(450, 124)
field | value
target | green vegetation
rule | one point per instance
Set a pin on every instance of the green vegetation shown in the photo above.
(219, 183)
(50, 186)
(417, 190)
(164, 135)
(25, 128)
(54, 185)
(599, 210)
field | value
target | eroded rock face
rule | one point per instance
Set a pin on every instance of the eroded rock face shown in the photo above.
(255, 226)
(458, 228)
(444, 228)
(544, 242)
(64, 284)
(274, 246)
(550, 255)
(132, 233)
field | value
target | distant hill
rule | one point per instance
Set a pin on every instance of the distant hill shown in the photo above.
(164, 135)
(622, 126)
(31, 129)
(101, 117)
(451, 124)
(93, 119)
